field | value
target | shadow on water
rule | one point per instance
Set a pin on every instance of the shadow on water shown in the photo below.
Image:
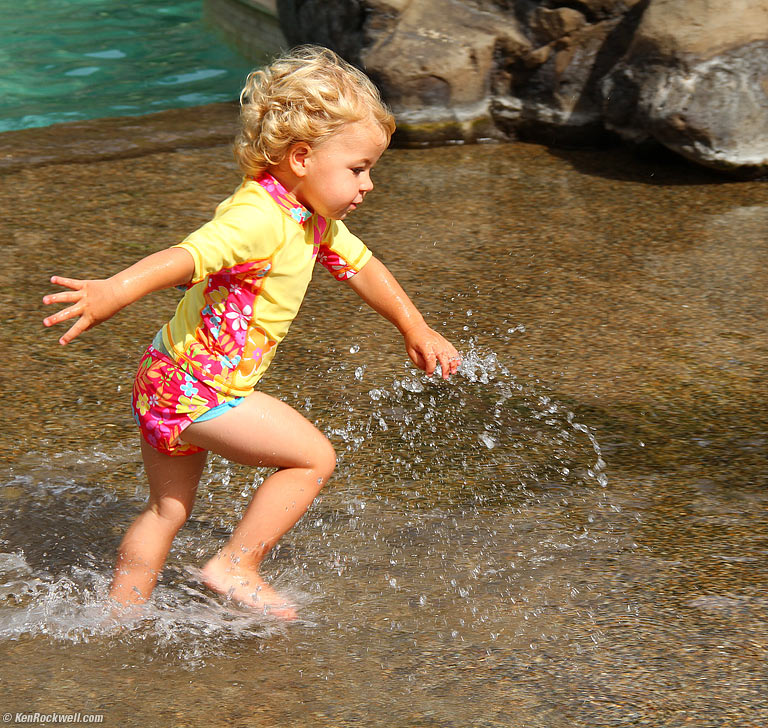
(569, 533)
(649, 164)
(514, 447)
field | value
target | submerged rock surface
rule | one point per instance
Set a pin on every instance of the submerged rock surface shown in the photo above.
(690, 75)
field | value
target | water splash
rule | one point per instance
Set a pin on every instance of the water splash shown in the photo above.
(34, 602)
(482, 427)
(183, 621)
(58, 534)
(450, 498)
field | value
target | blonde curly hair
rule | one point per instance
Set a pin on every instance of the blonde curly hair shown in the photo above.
(307, 95)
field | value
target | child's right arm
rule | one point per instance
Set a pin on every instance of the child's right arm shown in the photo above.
(94, 301)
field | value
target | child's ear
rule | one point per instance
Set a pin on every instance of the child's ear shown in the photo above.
(298, 156)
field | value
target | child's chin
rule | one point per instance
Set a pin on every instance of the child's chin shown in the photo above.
(339, 214)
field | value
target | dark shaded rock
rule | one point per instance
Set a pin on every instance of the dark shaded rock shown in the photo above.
(690, 75)
(337, 24)
(695, 79)
(552, 94)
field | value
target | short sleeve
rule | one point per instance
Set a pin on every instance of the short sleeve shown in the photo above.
(341, 252)
(238, 233)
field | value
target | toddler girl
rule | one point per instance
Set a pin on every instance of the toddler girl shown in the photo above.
(312, 129)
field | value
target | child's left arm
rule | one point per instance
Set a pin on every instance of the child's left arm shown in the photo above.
(426, 348)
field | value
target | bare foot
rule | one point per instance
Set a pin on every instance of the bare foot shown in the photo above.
(246, 587)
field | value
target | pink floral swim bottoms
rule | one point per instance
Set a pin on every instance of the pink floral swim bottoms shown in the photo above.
(167, 398)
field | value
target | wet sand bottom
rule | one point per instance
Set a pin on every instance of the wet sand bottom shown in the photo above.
(454, 574)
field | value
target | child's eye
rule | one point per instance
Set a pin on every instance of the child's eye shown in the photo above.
(358, 170)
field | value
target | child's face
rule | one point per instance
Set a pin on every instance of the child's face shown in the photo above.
(337, 172)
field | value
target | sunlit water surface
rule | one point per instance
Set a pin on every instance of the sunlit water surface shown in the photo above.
(571, 532)
(66, 60)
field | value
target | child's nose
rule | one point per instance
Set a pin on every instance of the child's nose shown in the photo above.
(366, 183)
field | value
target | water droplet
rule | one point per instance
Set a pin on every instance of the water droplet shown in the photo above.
(487, 440)
(412, 385)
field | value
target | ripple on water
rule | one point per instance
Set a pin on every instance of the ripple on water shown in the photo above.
(462, 511)
(93, 58)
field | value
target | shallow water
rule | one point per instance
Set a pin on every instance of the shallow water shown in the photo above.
(571, 532)
(65, 60)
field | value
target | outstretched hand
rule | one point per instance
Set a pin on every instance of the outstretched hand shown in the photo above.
(91, 302)
(427, 349)
(95, 301)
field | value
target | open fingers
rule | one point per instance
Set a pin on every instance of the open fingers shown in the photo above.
(75, 330)
(73, 296)
(73, 283)
(82, 323)
(63, 315)
(62, 297)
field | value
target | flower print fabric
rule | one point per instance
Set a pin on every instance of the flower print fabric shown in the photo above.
(166, 399)
(253, 263)
(340, 269)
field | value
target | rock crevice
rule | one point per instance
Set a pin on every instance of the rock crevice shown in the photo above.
(690, 75)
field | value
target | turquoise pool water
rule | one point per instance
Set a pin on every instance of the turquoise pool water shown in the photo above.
(67, 60)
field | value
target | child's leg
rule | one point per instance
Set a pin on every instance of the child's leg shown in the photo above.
(145, 546)
(264, 431)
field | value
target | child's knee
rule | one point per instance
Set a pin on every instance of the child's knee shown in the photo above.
(325, 461)
(171, 511)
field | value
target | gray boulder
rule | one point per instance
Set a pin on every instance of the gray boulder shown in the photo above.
(691, 75)
(695, 79)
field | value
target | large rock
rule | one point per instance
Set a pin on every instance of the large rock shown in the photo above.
(442, 77)
(552, 92)
(691, 75)
(433, 61)
(695, 79)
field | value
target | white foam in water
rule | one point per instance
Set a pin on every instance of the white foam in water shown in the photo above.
(61, 593)
(477, 367)
(182, 619)
(38, 604)
(193, 624)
